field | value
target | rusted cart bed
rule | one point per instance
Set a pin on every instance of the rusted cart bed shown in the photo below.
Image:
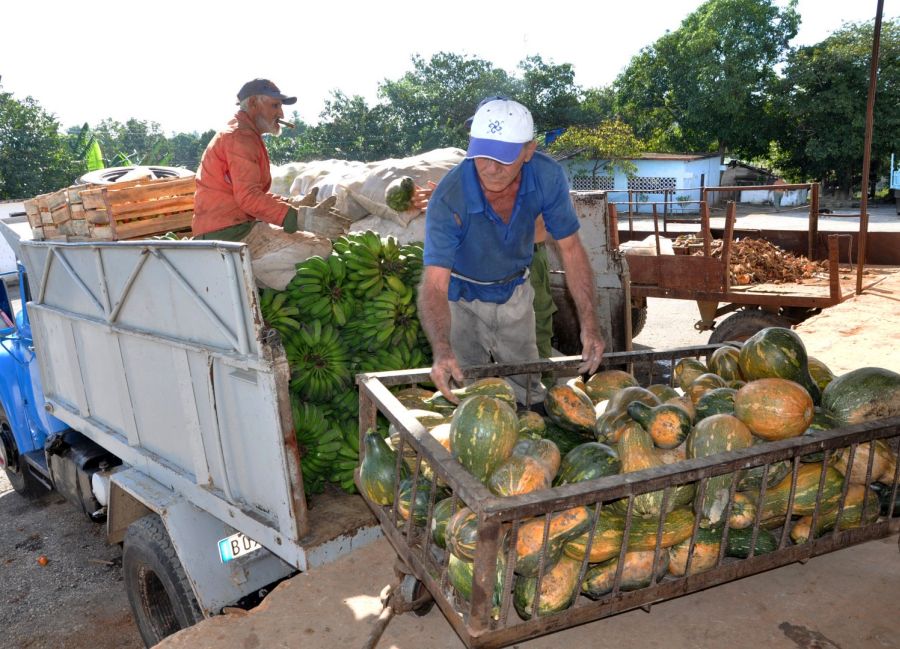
(499, 519)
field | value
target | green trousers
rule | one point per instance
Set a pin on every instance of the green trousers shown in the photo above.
(544, 307)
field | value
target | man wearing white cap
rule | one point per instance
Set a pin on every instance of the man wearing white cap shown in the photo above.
(475, 303)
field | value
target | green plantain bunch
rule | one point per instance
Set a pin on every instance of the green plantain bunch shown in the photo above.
(351, 312)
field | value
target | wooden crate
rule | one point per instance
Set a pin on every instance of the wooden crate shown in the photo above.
(134, 209)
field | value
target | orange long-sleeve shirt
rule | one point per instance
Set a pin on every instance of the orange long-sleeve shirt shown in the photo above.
(234, 179)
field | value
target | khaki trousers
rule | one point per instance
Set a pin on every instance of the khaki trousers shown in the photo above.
(484, 332)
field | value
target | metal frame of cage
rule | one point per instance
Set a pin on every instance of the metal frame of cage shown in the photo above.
(500, 518)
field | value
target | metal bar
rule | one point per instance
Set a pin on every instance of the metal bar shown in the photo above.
(237, 302)
(77, 279)
(216, 320)
(743, 188)
(101, 277)
(867, 148)
(704, 228)
(613, 227)
(656, 229)
(727, 237)
(813, 233)
(668, 589)
(126, 289)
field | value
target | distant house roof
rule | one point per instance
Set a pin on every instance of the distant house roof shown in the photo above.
(685, 157)
(677, 156)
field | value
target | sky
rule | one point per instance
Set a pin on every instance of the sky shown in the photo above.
(181, 64)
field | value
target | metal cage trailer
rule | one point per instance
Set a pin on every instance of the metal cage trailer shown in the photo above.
(485, 618)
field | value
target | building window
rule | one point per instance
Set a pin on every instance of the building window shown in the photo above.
(583, 183)
(650, 184)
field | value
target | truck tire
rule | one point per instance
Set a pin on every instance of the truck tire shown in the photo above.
(158, 589)
(743, 324)
(17, 472)
(638, 319)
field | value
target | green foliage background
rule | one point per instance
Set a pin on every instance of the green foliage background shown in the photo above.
(726, 80)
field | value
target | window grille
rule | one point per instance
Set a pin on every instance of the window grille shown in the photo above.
(588, 183)
(650, 184)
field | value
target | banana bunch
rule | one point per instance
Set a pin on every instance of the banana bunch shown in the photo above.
(277, 311)
(390, 319)
(346, 404)
(395, 358)
(318, 291)
(315, 444)
(362, 254)
(320, 367)
(411, 255)
(347, 456)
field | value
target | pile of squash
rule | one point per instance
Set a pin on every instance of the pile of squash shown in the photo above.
(768, 390)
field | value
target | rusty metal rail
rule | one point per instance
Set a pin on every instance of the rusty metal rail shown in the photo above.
(486, 620)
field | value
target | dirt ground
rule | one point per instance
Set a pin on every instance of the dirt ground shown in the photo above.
(77, 599)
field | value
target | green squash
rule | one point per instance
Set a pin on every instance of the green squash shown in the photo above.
(725, 362)
(865, 394)
(686, 370)
(483, 432)
(570, 408)
(637, 572)
(440, 516)
(716, 402)
(586, 462)
(819, 372)
(490, 387)
(667, 424)
(461, 575)
(378, 471)
(711, 436)
(776, 352)
(559, 588)
(603, 385)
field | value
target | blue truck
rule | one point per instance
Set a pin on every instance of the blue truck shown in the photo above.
(174, 432)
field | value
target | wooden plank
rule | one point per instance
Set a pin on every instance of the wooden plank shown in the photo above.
(60, 214)
(93, 200)
(149, 227)
(152, 208)
(152, 190)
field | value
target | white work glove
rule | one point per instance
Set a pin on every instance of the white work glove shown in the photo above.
(307, 200)
(323, 219)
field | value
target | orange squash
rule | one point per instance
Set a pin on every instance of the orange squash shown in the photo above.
(603, 385)
(519, 475)
(774, 408)
(570, 408)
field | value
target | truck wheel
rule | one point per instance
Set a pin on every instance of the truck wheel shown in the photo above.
(638, 319)
(743, 324)
(158, 590)
(18, 473)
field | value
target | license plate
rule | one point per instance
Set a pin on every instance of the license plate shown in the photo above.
(236, 545)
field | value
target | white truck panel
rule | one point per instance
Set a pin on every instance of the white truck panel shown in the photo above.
(197, 402)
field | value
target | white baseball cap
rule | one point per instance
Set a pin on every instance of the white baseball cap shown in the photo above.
(499, 130)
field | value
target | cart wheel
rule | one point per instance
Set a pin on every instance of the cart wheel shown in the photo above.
(743, 324)
(411, 589)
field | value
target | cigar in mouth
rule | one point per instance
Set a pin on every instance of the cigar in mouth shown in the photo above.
(287, 124)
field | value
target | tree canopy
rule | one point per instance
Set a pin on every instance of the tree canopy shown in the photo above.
(821, 106)
(706, 85)
(726, 79)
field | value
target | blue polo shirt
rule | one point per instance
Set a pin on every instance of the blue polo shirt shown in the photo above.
(464, 234)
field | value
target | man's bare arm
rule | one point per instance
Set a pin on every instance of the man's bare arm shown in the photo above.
(580, 281)
(434, 314)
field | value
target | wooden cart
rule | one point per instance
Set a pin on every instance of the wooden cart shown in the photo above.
(706, 280)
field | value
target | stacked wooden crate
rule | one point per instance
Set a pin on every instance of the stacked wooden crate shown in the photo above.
(134, 209)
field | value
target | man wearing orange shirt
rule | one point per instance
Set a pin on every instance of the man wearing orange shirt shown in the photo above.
(233, 201)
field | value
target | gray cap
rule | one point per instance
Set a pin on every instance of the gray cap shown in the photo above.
(263, 87)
